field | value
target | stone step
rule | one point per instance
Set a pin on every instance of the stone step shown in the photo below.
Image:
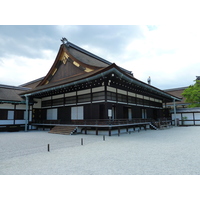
(66, 130)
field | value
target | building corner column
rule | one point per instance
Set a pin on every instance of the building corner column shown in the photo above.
(175, 120)
(26, 113)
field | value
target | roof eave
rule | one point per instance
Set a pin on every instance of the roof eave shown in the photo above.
(112, 69)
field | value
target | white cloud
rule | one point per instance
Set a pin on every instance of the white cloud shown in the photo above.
(169, 54)
(18, 69)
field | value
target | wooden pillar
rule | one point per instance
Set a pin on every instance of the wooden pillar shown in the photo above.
(91, 106)
(14, 114)
(26, 113)
(182, 122)
(106, 104)
(175, 121)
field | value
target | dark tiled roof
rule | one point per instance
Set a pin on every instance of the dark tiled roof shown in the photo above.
(32, 84)
(88, 57)
(187, 110)
(64, 81)
(11, 93)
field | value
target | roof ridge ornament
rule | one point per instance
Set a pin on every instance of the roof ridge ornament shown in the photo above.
(64, 40)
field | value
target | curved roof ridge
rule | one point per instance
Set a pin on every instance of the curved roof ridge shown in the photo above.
(69, 44)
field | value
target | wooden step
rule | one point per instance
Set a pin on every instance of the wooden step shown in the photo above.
(65, 130)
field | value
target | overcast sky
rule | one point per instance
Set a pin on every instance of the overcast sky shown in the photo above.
(169, 54)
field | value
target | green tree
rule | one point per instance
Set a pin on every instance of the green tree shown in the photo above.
(192, 94)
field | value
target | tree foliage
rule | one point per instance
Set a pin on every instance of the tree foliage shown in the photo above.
(192, 94)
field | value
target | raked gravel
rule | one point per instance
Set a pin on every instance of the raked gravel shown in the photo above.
(171, 151)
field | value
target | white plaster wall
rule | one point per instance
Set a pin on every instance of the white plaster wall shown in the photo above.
(21, 107)
(58, 96)
(11, 114)
(20, 121)
(83, 92)
(46, 98)
(111, 89)
(178, 116)
(98, 89)
(197, 116)
(6, 122)
(38, 104)
(6, 106)
(189, 117)
(131, 94)
(121, 92)
(70, 94)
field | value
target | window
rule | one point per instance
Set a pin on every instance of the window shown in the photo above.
(84, 98)
(97, 96)
(111, 96)
(10, 114)
(52, 114)
(146, 102)
(56, 102)
(70, 100)
(132, 100)
(122, 98)
(46, 103)
(77, 113)
(139, 101)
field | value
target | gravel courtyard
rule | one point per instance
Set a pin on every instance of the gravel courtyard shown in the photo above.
(171, 151)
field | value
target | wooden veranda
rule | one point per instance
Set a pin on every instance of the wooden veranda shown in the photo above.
(106, 125)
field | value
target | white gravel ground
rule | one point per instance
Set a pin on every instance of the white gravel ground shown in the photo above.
(173, 151)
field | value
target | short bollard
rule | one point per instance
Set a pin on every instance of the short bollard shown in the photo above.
(48, 147)
(104, 137)
(81, 141)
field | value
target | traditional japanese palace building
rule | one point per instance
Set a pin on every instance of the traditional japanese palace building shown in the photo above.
(83, 91)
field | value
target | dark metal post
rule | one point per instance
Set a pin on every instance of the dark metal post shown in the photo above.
(118, 131)
(48, 147)
(109, 131)
(81, 141)
(104, 137)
